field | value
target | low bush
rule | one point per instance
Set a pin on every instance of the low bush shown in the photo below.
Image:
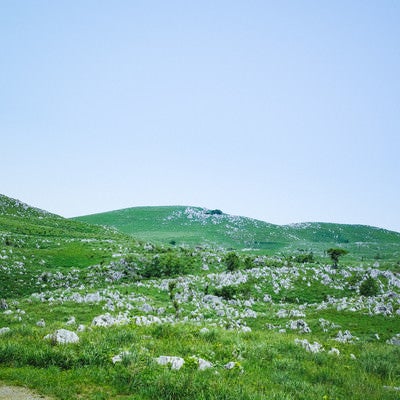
(232, 262)
(164, 265)
(369, 287)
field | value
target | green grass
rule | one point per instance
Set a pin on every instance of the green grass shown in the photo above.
(196, 226)
(271, 366)
(49, 264)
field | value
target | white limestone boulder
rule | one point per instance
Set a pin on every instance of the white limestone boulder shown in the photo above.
(176, 363)
(310, 347)
(63, 336)
(4, 330)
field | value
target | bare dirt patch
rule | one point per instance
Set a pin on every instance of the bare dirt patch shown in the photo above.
(18, 393)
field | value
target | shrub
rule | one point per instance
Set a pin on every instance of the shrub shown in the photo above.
(227, 292)
(232, 261)
(249, 263)
(164, 265)
(369, 287)
(304, 258)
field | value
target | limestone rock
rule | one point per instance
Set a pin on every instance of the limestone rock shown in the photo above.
(345, 337)
(147, 308)
(63, 336)
(282, 313)
(395, 340)
(119, 357)
(310, 347)
(334, 351)
(106, 320)
(267, 298)
(3, 304)
(209, 298)
(300, 325)
(204, 364)
(103, 320)
(230, 365)
(144, 320)
(175, 362)
(4, 330)
(71, 321)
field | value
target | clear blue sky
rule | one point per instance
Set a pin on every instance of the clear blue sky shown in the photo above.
(285, 111)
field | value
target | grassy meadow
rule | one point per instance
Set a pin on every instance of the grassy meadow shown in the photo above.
(249, 310)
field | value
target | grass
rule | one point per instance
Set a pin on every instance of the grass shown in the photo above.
(52, 269)
(271, 366)
(196, 226)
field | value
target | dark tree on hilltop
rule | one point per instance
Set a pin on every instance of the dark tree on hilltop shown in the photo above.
(214, 212)
(335, 254)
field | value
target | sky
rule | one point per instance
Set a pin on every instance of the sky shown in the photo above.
(284, 111)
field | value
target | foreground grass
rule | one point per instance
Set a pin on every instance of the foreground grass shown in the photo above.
(268, 365)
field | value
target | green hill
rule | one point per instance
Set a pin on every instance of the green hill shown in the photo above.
(33, 241)
(190, 225)
(92, 313)
(199, 226)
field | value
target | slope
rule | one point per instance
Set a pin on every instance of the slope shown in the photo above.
(199, 226)
(34, 241)
(191, 225)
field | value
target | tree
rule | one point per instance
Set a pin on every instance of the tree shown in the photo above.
(335, 254)
(214, 212)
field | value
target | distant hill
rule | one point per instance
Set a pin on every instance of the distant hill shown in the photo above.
(199, 226)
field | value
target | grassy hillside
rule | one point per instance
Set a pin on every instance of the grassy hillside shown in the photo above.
(34, 241)
(256, 327)
(189, 225)
(196, 226)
